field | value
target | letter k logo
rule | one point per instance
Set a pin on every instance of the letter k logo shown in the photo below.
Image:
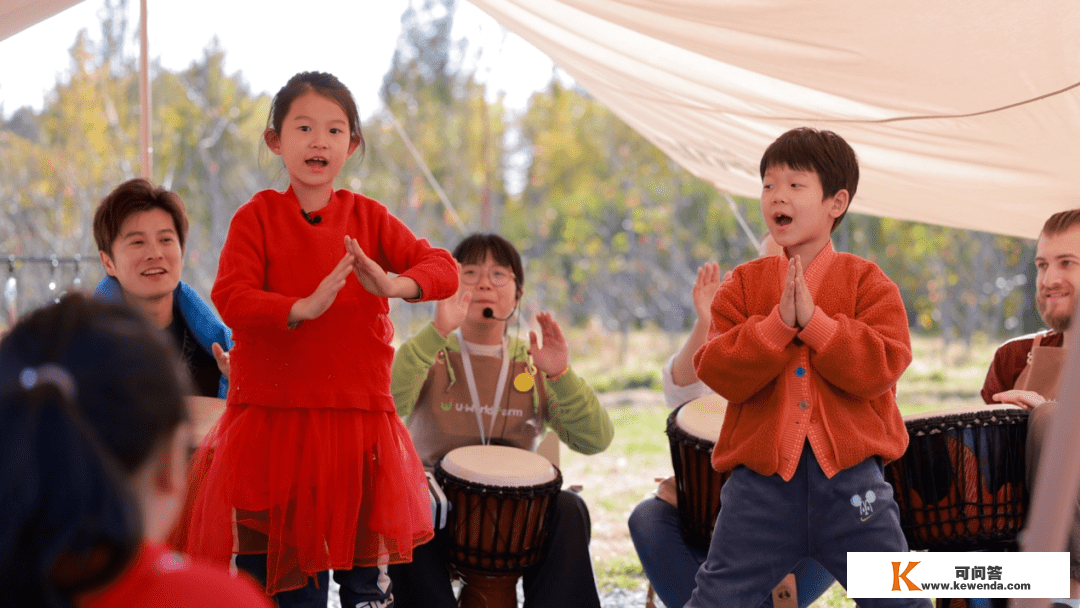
(897, 575)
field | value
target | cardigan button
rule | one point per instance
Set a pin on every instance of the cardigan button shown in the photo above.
(803, 404)
(800, 371)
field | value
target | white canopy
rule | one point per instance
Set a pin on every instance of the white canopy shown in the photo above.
(963, 114)
(17, 15)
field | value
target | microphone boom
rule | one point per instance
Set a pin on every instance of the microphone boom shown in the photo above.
(490, 314)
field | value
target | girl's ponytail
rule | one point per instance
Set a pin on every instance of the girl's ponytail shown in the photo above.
(69, 524)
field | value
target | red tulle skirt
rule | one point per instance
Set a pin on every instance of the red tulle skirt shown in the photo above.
(314, 489)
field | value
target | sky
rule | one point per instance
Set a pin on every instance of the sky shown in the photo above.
(267, 42)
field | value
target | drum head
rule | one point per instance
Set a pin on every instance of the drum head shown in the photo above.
(703, 417)
(961, 411)
(498, 465)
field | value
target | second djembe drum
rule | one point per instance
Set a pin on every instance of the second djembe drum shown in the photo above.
(692, 431)
(961, 483)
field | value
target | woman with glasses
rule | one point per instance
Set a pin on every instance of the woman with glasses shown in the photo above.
(462, 380)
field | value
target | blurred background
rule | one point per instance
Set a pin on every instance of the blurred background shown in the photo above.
(467, 129)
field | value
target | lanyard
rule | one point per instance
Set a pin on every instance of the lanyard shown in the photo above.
(466, 363)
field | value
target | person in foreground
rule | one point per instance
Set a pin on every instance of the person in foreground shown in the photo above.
(313, 469)
(668, 560)
(93, 449)
(807, 349)
(1026, 371)
(140, 231)
(436, 367)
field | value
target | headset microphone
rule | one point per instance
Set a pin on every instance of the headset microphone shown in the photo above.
(490, 314)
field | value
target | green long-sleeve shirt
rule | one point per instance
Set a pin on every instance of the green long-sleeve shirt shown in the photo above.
(434, 399)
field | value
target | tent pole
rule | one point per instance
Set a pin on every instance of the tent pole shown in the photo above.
(144, 97)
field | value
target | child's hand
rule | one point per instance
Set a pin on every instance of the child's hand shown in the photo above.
(450, 313)
(554, 358)
(375, 280)
(313, 306)
(705, 288)
(787, 298)
(222, 358)
(804, 302)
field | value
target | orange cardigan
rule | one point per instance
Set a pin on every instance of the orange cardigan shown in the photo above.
(853, 365)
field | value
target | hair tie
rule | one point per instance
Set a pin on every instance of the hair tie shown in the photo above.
(49, 373)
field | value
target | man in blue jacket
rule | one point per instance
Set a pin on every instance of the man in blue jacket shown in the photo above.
(140, 231)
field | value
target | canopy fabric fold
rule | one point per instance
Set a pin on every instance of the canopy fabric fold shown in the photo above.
(963, 114)
(17, 15)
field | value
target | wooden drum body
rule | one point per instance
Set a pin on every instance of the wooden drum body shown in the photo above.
(502, 503)
(692, 430)
(961, 483)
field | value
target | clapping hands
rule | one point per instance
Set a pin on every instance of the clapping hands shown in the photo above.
(371, 276)
(796, 304)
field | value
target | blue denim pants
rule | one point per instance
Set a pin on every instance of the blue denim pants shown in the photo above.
(671, 564)
(767, 526)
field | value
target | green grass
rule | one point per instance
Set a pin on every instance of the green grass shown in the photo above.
(617, 479)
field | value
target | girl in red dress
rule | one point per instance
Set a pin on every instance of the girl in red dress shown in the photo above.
(311, 467)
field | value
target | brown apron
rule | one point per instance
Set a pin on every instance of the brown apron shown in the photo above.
(445, 417)
(1042, 374)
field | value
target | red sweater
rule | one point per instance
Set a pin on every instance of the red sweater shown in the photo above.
(273, 257)
(850, 361)
(164, 579)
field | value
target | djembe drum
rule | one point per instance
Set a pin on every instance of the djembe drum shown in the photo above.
(961, 483)
(502, 503)
(692, 431)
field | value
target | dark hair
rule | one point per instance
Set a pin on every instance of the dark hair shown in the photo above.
(324, 84)
(130, 197)
(88, 391)
(823, 152)
(477, 246)
(1061, 221)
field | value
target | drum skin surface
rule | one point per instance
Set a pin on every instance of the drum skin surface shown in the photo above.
(961, 483)
(499, 465)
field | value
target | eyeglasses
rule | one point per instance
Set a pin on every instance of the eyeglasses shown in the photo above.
(498, 276)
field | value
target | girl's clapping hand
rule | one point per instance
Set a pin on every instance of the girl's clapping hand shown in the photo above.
(375, 280)
(318, 302)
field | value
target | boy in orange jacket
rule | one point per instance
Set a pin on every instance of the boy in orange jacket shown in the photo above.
(807, 348)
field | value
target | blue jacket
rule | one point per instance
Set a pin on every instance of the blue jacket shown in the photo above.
(200, 319)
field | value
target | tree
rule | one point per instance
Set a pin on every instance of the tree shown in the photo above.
(435, 154)
(615, 228)
(57, 164)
